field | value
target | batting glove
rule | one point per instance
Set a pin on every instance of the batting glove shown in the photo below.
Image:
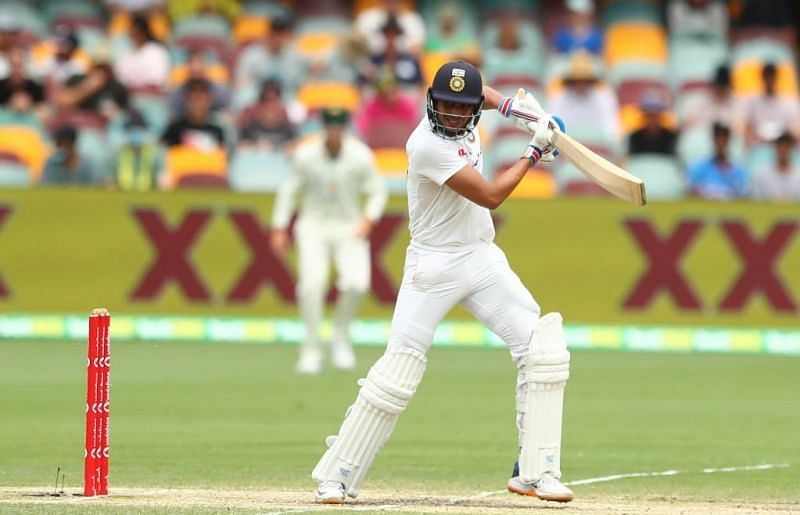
(541, 142)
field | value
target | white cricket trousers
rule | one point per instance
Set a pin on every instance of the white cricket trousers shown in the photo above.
(479, 279)
(319, 242)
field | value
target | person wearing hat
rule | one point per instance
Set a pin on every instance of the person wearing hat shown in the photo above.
(653, 137)
(405, 66)
(387, 119)
(452, 260)
(333, 172)
(584, 101)
(370, 23)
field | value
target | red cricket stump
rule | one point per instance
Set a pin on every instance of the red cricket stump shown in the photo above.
(98, 366)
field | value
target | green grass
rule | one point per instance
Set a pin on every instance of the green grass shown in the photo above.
(209, 415)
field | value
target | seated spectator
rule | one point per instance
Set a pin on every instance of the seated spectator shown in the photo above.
(585, 101)
(64, 62)
(451, 37)
(405, 66)
(718, 177)
(66, 166)
(702, 18)
(197, 69)
(768, 115)
(389, 106)
(277, 57)
(9, 29)
(371, 21)
(139, 160)
(195, 129)
(653, 137)
(148, 63)
(581, 33)
(349, 60)
(178, 9)
(18, 92)
(717, 105)
(269, 127)
(98, 91)
(779, 180)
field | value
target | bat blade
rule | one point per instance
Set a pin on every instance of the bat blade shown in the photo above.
(609, 176)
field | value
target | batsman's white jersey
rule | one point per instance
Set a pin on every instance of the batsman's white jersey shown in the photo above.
(452, 258)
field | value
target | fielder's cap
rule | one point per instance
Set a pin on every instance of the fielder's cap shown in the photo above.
(459, 82)
(335, 116)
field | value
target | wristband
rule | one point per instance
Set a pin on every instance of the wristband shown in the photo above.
(532, 153)
(505, 106)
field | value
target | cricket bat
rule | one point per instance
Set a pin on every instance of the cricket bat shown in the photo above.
(602, 171)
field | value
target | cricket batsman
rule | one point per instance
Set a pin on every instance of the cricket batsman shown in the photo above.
(452, 260)
(332, 173)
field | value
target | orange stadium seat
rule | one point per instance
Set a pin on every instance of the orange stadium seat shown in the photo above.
(316, 95)
(639, 41)
(392, 162)
(44, 50)
(215, 72)
(27, 145)
(536, 184)
(315, 43)
(250, 28)
(120, 24)
(432, 61)
(632, 118)
(185, 161)
(747, 78)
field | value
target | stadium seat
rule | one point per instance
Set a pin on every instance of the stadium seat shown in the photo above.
(316, 43)
(31, 24)
(630, 91)
(154, 109)
(27, 144)
(14, 175)
(391, 161)
(317, 95)
(693, 63)
(632, 118)
(264, 8)
(622, 11)
(746, 78)
(663, 176)
(635, 41)
(207, 25)
(93, 145)
(183, 161)
(430, 62)
(202, 180)
(250, 28)
(489, 9)
(696, 143)
(215, 72)
(120, 25)
(762, 49)
(635, 70)
(257, 171)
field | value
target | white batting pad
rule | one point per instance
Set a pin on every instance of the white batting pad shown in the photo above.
(546, 372)
(384, 394)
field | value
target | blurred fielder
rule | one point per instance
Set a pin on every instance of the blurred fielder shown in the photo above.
(452, 260)
(332, 172)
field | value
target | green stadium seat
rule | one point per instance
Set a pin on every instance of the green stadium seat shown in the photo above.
(14, 175)
(762, 49)
(663, 176)
(252, 171)
(694, 62)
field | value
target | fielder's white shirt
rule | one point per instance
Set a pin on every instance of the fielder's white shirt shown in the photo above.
(437, 215)
(331, 187)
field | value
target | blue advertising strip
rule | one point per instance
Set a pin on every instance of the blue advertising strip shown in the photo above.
(376, 332)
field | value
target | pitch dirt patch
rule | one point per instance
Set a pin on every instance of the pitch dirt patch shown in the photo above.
(276, 502)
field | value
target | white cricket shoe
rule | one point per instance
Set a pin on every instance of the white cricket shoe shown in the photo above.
(310, 361)
(342, 355)
(330, 492)
(547, 488)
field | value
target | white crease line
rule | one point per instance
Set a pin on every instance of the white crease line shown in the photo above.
(614, 477)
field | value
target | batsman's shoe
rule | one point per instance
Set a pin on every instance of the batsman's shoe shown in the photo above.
(547, 488)
(330, 492)
(342, 355)
(310, 361)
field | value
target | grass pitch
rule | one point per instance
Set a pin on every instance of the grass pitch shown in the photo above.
(213, 417)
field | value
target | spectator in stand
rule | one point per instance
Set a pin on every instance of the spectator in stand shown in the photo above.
(581, 32)
(779, 180)
(585, 101)
(716, 105)
(451, 37)
(405, 66)
(139, 160)
(717, 177)
(269, 128)
(65, 165)
(349, 60)
(98, 91)
(195, 129)
(18, 92)
(65, 62)
(768, 115)
(197, 69)
(371, 21)
(654, 137)
(390, 106)
(700, 18)
(178, 9)
(147, 65)
(9, 29)
(276, 57)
